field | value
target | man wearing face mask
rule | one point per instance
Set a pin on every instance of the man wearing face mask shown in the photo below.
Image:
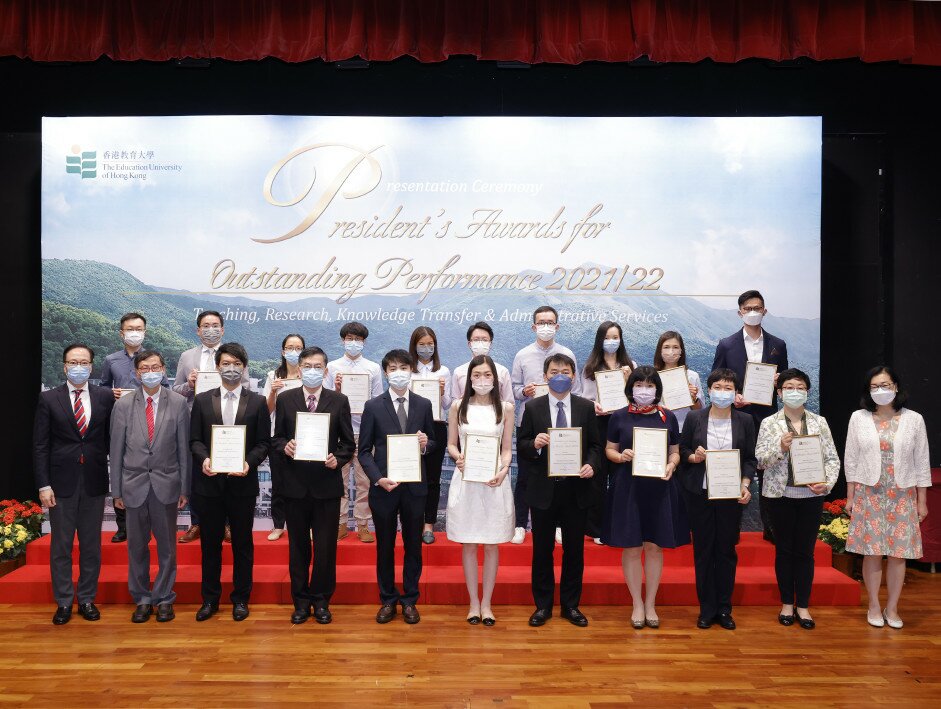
(221, 497)
(353, 337)
(528, 367)
(70, 461)
(479, 341)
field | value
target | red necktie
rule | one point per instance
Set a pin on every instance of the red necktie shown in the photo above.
(79, 410)
(150, 418)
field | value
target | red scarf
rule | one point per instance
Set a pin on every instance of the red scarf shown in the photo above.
(635, 409)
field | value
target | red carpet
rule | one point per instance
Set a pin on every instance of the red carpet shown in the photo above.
(442, 580)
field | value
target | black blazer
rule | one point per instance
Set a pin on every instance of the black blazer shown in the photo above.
(58, 448)
(694, 435)
(536, 420)
(253, 413)
(730, 353)
(300, 478)
(380, 420)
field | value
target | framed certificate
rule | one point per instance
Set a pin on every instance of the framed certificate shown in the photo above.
(807, 460)
(565, 452)
(610, 384)
(227, 449)
(430, 388)
(650, 452)
(207, 380)
(541, 390)
(312, 436)
(481, 458)
(356, 388)
(724, 474)
(675, 389)
(759, 383)
(403, 456)
(126, 392)
(289, 384)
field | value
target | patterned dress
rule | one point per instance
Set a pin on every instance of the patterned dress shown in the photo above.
(885, 517)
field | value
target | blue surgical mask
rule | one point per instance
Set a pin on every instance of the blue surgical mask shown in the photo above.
(611, 346)
(399, 379)
(231, 374)
(291, 356)
(353, 347)
(425, 351)
(560, 383)
(794, 398)
(313, 378)
(151, 379)
(721, 399)
(644, 396)
(78, 375)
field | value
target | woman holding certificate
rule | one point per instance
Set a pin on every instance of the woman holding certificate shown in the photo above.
(796, 450)
(285, 377)
(431, 380)
(887, 476)
(644, 512)
(682, 390)
(601, 384)
(480, 500)
(718, 452)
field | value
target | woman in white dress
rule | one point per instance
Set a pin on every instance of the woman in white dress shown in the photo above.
(481, 513)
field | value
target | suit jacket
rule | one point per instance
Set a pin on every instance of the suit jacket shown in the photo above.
(380, 420)
(301, 478)
(694, 434)
(731, 354)
(536, 420)
(252, 412)
(137, 464)
(189, 360)
(61, 456)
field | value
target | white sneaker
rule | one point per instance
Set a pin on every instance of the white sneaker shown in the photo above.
(275, 535)
(558, 535)
(597, 540)
(518, 536)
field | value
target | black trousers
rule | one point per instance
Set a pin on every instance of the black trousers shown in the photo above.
(795, 522)
(433, 463)
(563, 512)
(715, 525)
(277, 464)
(213, 514)
(519, 492)
(599, 484)
(312, 587)
(120, 518)
(388, 508)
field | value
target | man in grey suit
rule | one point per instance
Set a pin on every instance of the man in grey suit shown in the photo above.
(150, 478)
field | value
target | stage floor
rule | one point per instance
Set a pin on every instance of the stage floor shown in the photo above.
(443, 661)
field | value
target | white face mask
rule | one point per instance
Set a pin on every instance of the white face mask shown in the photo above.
(133, 338)
(480, 348)
(545, 332)
(671, 357)
(752, 318)
(483, 388)
(882, 396)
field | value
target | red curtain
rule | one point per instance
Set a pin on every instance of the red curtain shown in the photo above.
(562, 31)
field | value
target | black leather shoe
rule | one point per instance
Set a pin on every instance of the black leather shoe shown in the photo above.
(806, 623)
(575, 617)
(540, 617)
(725, 620)
(165, 613)
(89, 611)
(323, 616)
(63, 615)
(704, 623)
(786, 620)
(142, 613)
(239, 611)
(386, 613)
(119, 536)
(410, 613)
(206, 611)
(300, 615)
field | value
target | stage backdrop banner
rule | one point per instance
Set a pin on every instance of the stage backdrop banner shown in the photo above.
(299, 224)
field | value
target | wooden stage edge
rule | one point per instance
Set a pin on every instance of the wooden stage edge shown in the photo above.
(444, 662)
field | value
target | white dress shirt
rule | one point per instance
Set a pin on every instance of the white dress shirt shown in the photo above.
(459, 382)
(754, 347)
(360, 365)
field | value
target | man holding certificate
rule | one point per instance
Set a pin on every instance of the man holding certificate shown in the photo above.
(393, 440)
(558, 438)
(314, 432)
(717, 449)
(230, 433)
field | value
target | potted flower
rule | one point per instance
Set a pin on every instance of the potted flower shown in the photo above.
(834, 528)
(20, 523)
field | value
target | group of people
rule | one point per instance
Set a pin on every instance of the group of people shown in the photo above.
(157, 438)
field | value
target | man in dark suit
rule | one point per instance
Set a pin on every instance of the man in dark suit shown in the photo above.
(312, 490)
(219, 497)
(558, 501)
(752, 344)
(70, 457)
(397, 411)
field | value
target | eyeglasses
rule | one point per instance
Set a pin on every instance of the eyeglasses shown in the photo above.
(76, 363)
(876, 387)
(156, 368)
(753, 309)
(794, 388)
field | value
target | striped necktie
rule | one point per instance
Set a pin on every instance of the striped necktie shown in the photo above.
(79, 409)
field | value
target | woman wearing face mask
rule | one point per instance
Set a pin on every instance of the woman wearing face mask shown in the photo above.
(670, 353)
(794, 510)
(481, 513)
(286, 376)
(608, 353)
(887, 475)
(423, 347)
(643, 515)
(716, 522)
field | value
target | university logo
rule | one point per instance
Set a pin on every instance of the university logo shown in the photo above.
(82, 163)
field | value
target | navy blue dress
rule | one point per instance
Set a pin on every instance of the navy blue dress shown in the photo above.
(643, 509)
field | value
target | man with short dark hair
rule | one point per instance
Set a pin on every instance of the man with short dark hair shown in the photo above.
(479, 341)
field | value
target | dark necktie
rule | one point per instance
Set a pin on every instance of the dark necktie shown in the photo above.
(312, 403)
(403, 417)
(560, 421)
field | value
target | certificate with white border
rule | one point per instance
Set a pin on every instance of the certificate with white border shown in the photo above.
(430, 389)
(807, 460)
(610, 385)
(565, 452)
(403, 457)
(676, 394)
(481, 458)
(724, 474)
(312, 436)
(650, 452)
(759, 383)
(227, 449)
